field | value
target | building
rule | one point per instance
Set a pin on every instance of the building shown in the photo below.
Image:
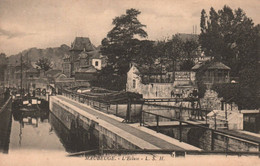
(88, 73)
(212, 72)
(67, 65)
(83, 55)
(152, 83)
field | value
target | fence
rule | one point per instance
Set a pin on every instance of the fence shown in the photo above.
(117, 103)
(212, 133)
(104, 103)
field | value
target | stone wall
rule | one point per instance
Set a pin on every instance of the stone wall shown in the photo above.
(202, 138)
(155, 90)
(109, 135)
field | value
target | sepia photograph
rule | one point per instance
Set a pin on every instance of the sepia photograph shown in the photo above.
(129, 82)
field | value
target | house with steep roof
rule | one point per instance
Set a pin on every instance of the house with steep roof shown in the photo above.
(83, 54)
(82, 44)
(213, 72)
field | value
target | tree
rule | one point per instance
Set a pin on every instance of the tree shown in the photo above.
(44, 64)
(146, 53)
(121, 45)
(178, 50)
(3, 59)
(229, 37)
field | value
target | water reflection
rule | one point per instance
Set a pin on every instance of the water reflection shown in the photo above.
(30, 130)
(5, 130)
(41, 130)
(74, 140)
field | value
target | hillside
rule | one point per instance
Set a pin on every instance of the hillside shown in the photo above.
(54, 54)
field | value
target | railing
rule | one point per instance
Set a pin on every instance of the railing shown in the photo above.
(182, 122)
(104, 101)
(100, 104)
(194, 113)
(173, 153)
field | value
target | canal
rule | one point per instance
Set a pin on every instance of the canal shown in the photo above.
(41, 131)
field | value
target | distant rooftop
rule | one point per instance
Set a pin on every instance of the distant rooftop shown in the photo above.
(89, 69)
(218, 65)
(82, 44)
(53, 72)
(186, 36)
(211, 66)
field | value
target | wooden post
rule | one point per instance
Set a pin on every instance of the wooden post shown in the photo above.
(226, 117)
(215, 115)
(141, 112)
(180, 130)
(180, 112)
(227, 140)
(128, 112)
(212, 140)
(206, 116)
(143, 118)
(157, 123)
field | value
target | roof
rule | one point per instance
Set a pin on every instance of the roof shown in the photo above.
(82, 44)
(90, 69)
(185, 36)
(95, 54)
(144, 70)
(53, 72)
(197, 66)
(218, 65)
(211, 66)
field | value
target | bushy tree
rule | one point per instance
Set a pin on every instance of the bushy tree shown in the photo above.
(229, 36)
(122, 45)
(44, 64)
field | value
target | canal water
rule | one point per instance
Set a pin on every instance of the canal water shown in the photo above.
(41, 131)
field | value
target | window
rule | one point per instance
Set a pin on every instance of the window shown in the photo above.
(96, 63)
(134, 83)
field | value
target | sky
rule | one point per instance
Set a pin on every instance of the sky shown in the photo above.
(50, 23)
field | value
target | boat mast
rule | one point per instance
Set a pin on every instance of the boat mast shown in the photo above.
(21, 73)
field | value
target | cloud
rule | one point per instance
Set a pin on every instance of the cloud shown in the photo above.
(13, 34)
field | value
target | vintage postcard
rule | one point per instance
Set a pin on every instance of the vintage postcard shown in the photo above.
(129, 82)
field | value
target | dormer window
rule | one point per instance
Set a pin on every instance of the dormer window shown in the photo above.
(96, 63)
